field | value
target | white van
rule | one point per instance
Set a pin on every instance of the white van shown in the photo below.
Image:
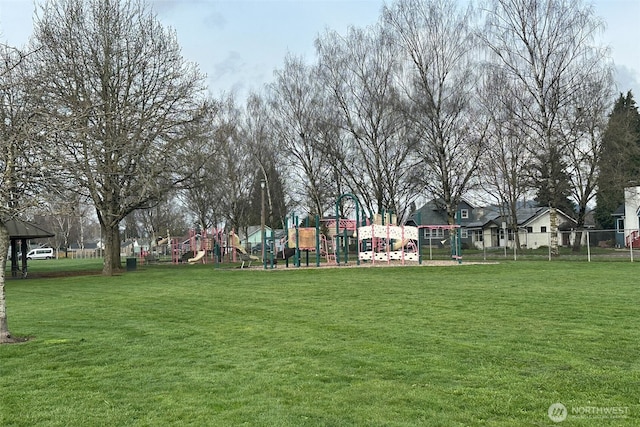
(40, 253)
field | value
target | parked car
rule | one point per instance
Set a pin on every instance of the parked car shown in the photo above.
(40, 253)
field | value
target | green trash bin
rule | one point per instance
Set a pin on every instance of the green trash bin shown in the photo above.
(132, 264)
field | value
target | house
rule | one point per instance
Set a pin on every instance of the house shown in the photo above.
(134, 247)
(254, 237)
(618, 214)
(628, 226)
(533, 229)
(434, 224)
(487, 227)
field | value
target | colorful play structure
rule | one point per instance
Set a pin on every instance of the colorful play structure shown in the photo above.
(204, 246)
(388, 243)
(307, 240)
(208, 246)
(201, 246)
(378, 239)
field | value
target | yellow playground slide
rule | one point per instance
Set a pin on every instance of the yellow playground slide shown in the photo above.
(197, 258)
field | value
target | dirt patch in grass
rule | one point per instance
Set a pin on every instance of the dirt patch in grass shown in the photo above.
(55, 274)
(16, 340)
(430, 263)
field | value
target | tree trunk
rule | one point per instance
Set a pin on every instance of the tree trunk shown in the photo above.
(5, 335)
(116, 262)
(553, 240)
(112, 262)
(577, 243)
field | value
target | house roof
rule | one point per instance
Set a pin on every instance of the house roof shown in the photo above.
(619, 211)
(526, 216)
(254, 229)
(430, 214)
(25, 230)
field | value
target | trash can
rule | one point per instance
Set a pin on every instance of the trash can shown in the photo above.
(131, 264)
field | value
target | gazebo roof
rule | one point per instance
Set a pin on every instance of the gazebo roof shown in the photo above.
(25, 230)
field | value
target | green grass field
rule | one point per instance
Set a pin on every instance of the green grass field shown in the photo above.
(469, 345)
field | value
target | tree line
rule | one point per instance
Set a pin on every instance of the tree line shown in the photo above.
(509, 101)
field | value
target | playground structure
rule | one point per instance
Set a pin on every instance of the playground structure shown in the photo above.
(377, 239)
(313, 240)
(388, 243)
(198, 244)
(208, 246)
(308, 240)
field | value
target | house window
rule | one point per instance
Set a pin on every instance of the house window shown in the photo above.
(529, 229)
(434, 233)
(479, 236)
(543, 229)
(464, 213)
(620, 225)
(464, 234)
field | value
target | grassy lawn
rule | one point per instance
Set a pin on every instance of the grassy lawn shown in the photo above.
(470, 345)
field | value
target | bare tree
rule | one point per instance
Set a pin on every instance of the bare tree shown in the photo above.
(233, 177)
(121, 103)
(20, 170)
(168, 217)
(582, 127)
(545, 46)
(261, 142)
(439, 44)
(505, 173)
(202, 190)
(359, 73)
(59, 210)
(296, 110)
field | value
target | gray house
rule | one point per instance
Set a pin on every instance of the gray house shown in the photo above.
(433, 214)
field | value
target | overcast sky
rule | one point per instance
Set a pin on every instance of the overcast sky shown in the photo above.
(239, 43)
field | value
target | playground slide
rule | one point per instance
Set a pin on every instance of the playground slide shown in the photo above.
(244, 252)
(244, 256)
(399, 245)
(197, 258)
(248, 256)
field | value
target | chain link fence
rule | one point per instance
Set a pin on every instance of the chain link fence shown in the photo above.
(586, 245)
